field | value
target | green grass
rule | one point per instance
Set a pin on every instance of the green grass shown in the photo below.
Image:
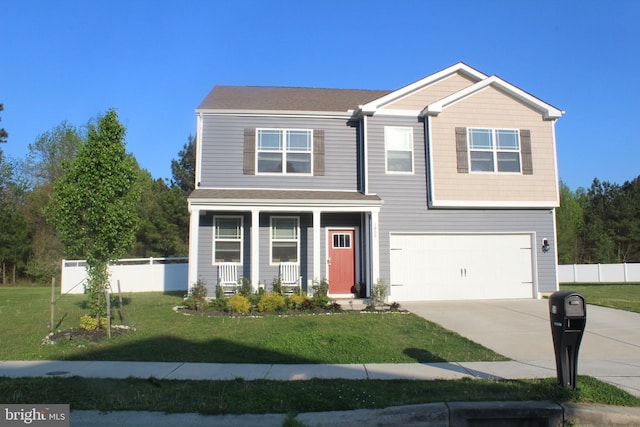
(237, 397)
(623, 296)
(163, 335)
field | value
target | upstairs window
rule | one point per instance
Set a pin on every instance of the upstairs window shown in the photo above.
(494, 150)
(284, 151)
(227, 239)
(398, 144)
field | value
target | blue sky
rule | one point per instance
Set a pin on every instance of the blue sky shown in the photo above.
(154, 62)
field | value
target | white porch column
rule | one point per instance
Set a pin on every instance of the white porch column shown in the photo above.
(194, 236)
(375, 248)
(315, 273)
(255, 248)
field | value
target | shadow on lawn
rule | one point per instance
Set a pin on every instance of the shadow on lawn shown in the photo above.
(423, 356)
(173, 349)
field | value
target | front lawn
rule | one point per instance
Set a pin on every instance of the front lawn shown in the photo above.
(163, 335)
(623, 296)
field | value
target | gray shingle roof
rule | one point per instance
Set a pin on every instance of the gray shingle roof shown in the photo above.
(287, 98)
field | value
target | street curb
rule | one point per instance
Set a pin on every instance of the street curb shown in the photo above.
(458, 414)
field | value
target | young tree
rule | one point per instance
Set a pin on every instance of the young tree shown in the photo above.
(94, 204)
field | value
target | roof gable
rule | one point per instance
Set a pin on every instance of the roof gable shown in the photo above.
(459, 68)
(549, 111)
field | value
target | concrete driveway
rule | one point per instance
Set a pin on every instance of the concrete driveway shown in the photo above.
(520, 329)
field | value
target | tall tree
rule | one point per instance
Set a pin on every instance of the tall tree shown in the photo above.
(164, 219)
(184, 169)
(570, 225)
(94, 204)
(3, 133)
(43, 167)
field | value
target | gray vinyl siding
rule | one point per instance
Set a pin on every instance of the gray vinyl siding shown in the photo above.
(405, 207)
(223, 151)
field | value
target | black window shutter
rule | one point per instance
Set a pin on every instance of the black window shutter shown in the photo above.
(461, 150)
(249, 166)
(525, 150)
(318, 152)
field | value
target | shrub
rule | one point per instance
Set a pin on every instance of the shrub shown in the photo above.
(320, 291)
(218, 304)
(239, 304)
(199, 290)
(89, 323)
(245, 287)
(378, 293)
(296, 301)
(276, 286)
(271, 302)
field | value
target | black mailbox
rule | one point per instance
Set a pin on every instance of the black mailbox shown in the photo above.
(568, 313)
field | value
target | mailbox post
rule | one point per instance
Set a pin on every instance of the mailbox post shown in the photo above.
(568, 313)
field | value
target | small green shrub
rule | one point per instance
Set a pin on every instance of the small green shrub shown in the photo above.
(239, 304)
(245, 287)
(276, 286)
(218, 304)
(89, 323)
(271, 302)
(378, 293)
(199, 290)
(320, 291)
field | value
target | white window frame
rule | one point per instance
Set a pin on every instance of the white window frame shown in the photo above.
(388, 140)
(494, 150)
(283, 151)
(216, 239)
(272, 238)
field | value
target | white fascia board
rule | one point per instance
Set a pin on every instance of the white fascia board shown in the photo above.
(284, 205)
(374, 105)
(550, 112)
(276, 113)
(397, 113)
(494, 204)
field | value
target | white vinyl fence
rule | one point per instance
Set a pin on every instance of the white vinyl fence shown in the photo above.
(135, 275)
(599, 273)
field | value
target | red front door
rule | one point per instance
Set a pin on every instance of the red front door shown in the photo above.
(342, 261)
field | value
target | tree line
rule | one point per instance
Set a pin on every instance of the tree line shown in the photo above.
(31, 248)
(599, 225)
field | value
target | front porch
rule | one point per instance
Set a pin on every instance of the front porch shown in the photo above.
(329, 235)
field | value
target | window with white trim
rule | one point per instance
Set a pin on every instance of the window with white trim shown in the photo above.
(285, 239)
(494, 150)
(398, 145)
(284, 151)
(227, 239)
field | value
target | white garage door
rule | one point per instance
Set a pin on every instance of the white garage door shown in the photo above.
(460, 266)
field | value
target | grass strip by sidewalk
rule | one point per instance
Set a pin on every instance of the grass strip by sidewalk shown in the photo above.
(623, 296)
(165, 336)
(242, 397)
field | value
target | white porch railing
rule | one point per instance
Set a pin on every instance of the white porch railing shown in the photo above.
(599, 273)
(134, 274)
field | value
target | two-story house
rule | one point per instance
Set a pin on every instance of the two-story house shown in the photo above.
(443, 189)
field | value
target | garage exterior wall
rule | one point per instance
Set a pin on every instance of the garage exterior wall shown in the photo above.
(406, 209)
